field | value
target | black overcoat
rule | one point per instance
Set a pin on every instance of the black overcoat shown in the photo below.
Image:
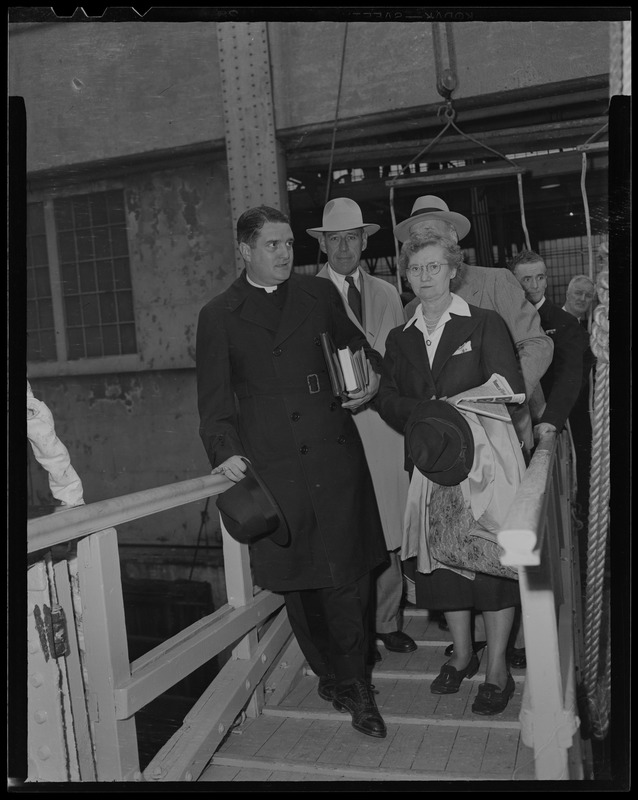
(258, 371)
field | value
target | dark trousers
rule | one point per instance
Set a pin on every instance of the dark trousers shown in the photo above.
(332, 627)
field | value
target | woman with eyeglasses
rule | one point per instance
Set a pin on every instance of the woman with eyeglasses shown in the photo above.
(447, 347)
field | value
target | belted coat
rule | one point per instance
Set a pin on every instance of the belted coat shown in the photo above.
(264, 393)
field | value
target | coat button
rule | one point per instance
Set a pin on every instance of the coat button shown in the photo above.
(333, 406)
(295, 416)
(277, 351)
(304, 449)
(317, 341)
(341, 440)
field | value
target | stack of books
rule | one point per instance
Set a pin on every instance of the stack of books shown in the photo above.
(348, 371)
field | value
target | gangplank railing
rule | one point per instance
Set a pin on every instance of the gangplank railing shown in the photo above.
(537, 539)
(83, 693)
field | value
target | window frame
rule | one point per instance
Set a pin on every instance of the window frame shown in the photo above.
(130, 362)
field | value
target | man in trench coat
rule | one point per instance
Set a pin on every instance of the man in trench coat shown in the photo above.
(264, 394)
(343, 237)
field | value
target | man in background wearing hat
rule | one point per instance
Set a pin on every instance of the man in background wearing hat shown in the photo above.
(264, 394)
(375, 307)
(493, 288)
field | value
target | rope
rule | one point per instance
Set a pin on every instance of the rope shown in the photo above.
(597, 670)
(583, 191)
(334, 127)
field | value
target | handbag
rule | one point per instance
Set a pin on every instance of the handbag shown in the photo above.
(455, 539)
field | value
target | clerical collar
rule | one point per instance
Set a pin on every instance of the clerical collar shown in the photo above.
(267, 289)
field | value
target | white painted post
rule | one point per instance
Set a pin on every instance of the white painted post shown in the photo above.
(107, 659)
(239, 591)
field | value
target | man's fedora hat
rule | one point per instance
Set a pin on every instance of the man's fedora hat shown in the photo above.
(440, 442)
(249, 511)
(342, 214)
(431, 206)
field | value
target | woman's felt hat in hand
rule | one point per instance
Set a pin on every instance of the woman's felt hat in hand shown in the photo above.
(249, 511)
(440, 442)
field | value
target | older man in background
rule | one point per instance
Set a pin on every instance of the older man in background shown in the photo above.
(375, 307)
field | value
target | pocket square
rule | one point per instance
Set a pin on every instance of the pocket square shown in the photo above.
(466, 347)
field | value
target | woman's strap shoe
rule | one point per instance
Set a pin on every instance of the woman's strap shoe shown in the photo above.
(492, 700)
(477, 647)
(449, 678)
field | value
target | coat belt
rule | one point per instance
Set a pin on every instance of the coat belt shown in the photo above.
(310, 384)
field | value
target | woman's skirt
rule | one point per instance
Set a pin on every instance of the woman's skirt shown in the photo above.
(444, 590)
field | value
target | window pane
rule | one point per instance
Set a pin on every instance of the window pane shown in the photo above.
(127, 335)
(33, 347)
(38, 251)
(97, 203)
(48, 349)
(81, 216)
(102, 242)
(110, 340)
(75, 342)
(122, 273)
(93, 338)
(30, 283)
(66, 245)
(63, 214)
(119, 242)
(42, 284)
(125, 306)
(35, 218)
(90, 309)
(104, 276)
(73, 311)
(85, 245)
(70, 283)
(87, 278)
(107, 308)
(115, 202)
(32, 315)
(45, 314)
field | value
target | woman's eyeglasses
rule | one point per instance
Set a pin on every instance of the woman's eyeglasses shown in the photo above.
(433, 268)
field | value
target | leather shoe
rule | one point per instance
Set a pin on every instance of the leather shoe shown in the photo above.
(477, 647)
(517, 658)
(492, 700)
(448, 681)
(326, 687)
(397, 642)
(358, 699)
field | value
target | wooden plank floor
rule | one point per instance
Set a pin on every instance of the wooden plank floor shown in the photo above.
(430, 737)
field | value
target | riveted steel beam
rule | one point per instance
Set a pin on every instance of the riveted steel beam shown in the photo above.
(256, 172)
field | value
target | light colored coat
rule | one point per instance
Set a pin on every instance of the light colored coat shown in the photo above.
(383, 446)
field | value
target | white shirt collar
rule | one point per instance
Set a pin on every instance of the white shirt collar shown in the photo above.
(267, 289)
(458, 306)
(340, 280)
(540, 302)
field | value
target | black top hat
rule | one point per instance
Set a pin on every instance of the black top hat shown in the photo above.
(440, 442)
(249, 511)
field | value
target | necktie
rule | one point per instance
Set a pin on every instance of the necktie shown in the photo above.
(354, 298)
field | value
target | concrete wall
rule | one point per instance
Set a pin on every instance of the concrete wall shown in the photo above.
(130, 432)
(391, 65)
(96, 91)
